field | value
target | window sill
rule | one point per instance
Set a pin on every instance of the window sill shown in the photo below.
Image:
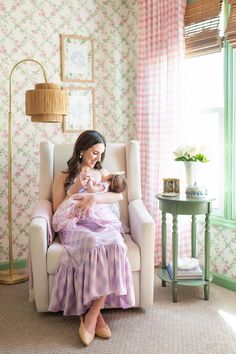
(222, 222)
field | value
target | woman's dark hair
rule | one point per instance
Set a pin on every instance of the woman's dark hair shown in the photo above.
(84, 141)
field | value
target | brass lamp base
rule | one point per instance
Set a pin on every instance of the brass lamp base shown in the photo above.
(17, 276)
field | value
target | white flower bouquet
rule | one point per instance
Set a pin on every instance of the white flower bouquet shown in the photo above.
(190, 153)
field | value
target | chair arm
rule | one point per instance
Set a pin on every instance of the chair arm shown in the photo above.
(38, 240)
(142, 228)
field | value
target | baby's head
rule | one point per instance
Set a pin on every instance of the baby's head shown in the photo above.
(117, 183)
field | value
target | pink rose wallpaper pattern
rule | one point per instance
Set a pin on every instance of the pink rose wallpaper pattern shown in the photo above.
(32, 29)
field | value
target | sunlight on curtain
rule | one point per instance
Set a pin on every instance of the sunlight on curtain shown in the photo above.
(160, 59)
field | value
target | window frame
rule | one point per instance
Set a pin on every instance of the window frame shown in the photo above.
(229, 218)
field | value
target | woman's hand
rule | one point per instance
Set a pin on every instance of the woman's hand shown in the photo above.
(81, 180)
(84, 203)
(90, 185)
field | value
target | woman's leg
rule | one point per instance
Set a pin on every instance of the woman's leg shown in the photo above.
(101, 323)
(93, 314)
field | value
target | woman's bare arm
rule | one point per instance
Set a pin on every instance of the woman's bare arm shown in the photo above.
(58, 189)
(98, 198)
(108, 198)
(87, 201)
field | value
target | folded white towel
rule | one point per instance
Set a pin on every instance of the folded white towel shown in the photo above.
(187, 263)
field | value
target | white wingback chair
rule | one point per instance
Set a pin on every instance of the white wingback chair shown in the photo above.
(140, 241)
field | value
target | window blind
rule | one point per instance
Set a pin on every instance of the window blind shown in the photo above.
(202, 27)
(230, 32)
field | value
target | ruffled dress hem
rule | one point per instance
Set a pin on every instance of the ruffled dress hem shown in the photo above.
(105, 271)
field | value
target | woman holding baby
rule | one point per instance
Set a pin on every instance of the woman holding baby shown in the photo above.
(94, 270)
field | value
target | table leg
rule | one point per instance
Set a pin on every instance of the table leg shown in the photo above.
(193, 236)
(163, 240)
(207, 255)
(175, 257)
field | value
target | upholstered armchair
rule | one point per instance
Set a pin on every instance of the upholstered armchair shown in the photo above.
(139, 239)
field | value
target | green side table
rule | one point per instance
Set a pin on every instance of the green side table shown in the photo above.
(180, 205)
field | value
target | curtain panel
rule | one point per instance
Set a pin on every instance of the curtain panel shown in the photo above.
(160, 57)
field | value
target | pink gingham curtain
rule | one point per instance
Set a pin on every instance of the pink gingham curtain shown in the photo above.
(160, 58)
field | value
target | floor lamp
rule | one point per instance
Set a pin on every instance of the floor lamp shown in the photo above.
(47, 103)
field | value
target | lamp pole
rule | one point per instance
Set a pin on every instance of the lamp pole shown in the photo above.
(21, 275)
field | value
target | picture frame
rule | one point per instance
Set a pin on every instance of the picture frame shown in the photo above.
(171, 185)
(77, 58)
(81, 109)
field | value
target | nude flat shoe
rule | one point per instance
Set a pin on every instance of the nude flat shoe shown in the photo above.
(85, 336)
(103, 332)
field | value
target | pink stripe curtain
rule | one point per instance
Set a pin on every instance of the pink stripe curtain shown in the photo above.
(160, 59)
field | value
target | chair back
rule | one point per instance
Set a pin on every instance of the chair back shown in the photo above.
(119, 157)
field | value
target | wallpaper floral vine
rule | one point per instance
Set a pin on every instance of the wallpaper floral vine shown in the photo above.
(223, 250)
(31, 29)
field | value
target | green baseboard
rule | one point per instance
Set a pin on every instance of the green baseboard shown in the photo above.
(17, 264)
(224, 281)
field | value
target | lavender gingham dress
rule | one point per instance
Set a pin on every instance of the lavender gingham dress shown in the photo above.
(94, 262)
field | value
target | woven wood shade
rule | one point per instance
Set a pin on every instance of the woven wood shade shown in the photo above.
(202, 27)
(230, 32)
(47, 103)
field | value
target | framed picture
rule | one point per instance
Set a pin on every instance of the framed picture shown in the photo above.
(81, 111)
(77, 62)
(171, 185)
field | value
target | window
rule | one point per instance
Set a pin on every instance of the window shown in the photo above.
(207, 120)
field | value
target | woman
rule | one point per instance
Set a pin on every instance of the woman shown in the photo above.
(94, 269)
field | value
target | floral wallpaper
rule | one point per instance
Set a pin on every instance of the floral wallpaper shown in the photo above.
(222, 249)
(32, 29)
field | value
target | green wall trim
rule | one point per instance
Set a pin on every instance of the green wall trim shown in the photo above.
(228, 129)
(22, 263)
(224, 281)
(222, 222)
(233, 137)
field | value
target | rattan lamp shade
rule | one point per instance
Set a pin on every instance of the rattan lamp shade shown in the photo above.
(47, 103)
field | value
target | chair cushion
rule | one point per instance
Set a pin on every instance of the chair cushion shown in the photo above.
(133, 253)
(55, 251)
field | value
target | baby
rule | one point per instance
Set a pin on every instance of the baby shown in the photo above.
(114, 182)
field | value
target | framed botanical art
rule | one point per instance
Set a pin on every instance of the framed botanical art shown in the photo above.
(77, 61)
(81, 111)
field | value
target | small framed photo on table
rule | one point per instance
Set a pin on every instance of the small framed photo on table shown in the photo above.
(77, 61)
(81, 111)
(170, 186)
